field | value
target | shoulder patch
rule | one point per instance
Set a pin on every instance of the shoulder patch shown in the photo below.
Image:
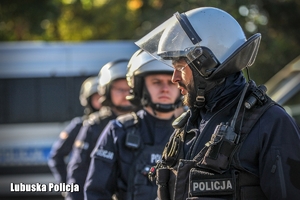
(92, 119)
(81, 144)
(180, 121)
(104, 112)
(63, 135)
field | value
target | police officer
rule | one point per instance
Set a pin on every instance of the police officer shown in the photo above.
(132, 143)
(234, 142)
(114, 89)
(89, 99)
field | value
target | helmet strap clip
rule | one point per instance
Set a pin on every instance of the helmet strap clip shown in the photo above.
(200, 99)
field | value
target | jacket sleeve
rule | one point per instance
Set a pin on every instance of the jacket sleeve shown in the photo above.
(62, 148)
(79, 163)
(277, 141)
(102, 175)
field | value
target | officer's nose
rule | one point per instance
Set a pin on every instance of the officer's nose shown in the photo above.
(165, 87)
(176, 77)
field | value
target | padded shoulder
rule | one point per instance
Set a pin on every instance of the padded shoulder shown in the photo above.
(96, 117)
(128, 120)
(180, 121)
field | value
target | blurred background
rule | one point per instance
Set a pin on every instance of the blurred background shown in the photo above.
(48, 48)
(89, 20)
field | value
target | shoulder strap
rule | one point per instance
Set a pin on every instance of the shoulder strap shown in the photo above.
(104, 112)
(129, 123)
(219, 152)
(128, 120)
(248, 119)
(98, 116)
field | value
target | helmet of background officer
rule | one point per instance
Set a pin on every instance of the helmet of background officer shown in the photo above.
(208, 40)
(142, 70)
(89, 96)
(113, 86)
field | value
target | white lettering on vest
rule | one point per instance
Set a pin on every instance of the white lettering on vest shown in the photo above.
(212, 185)
(105, 154)
(155, 158)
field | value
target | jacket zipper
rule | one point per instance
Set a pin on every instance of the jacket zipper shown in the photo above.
(278, 164)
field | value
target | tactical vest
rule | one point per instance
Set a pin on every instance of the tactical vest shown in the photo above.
(213, 173)
(139, 186)
(146, 155)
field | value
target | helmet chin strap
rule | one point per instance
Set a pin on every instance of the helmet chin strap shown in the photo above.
(159, 107)
(200, 98)
(164, 107)
(201, 85)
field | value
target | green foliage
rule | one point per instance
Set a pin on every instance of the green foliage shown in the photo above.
(82, 20)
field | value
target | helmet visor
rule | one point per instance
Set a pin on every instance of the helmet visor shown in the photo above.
(173, 39)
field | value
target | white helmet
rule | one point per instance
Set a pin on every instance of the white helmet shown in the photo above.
(209, 38)
(110, 72)
(140, 65)
(88, 88)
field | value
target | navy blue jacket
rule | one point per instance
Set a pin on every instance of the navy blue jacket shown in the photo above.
(85, 141)
(62, 148)
(117, 169)
(271, 151)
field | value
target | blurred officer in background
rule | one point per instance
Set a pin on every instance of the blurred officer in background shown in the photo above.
(89, 99)
(114, 89)
(234, 142)
(132, 143)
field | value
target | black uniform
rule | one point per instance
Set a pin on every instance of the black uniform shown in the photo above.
(260, 159)
(62, 148)
(83, 146)
(117, 168)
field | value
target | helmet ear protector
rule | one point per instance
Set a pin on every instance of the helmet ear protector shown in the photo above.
(205, 63)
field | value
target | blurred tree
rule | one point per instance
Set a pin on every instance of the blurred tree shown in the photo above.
(81, 20)
(28, 19)
(281, 36)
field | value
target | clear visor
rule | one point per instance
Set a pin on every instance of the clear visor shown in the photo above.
(170, 41)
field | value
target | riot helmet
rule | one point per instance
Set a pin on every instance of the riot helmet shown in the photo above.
(109, 73)
(211, 42)
(88, 88)
(140, 65)
(208, 37)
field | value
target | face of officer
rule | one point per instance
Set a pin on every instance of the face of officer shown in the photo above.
(162, 91)
(183, 77)
(119, 91)
(95, 101)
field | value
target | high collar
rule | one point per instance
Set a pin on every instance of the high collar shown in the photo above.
(223, 93)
